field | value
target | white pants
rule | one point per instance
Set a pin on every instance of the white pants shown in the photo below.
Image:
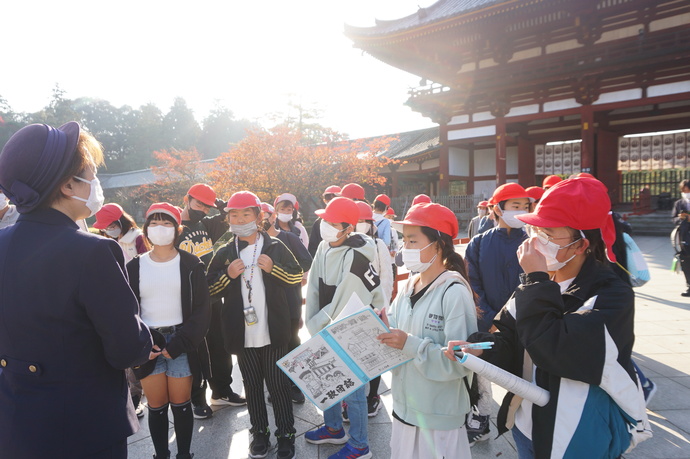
(409, 442)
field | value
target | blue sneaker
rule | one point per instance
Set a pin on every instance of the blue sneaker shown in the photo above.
(350, 452)
(324, 435)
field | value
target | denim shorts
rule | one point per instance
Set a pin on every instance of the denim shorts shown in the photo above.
(173, 368)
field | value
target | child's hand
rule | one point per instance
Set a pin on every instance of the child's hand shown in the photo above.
(396, 338)
(264, 262)
(235, 268)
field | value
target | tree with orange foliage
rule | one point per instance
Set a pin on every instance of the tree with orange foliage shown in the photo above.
(177, 170)
(273, 161)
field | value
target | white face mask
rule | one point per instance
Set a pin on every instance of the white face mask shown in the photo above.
(363, 227)
(284, 217)
(245, 230)
(3, 202)
(114, 233)
(482, 212)
(550, 249)
(508, 217)
(95, 200)
(378, 217)
(330, 234)
(412, 259)
(161, 235)
(686, 196)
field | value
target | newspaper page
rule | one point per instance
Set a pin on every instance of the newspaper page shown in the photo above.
(357, 334)
(506, 380)
(320, 373)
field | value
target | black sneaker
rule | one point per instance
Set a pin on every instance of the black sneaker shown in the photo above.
(202, 411)
(373, 406)
(258, 448)
(297, 395)
(686, 294)
(232, 400)
(477, 428)
(286, 448)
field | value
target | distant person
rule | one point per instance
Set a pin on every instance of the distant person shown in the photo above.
(421, 198)
(353, 191)
(681, 210)
(171, 287)
(534, 192)
(381, 203)
(288, 218)
(199, 232)
(8, 212)
(117, 224)
(473, 225)
(67, 335)
(550, 181)
(315, 236)
(487, 222)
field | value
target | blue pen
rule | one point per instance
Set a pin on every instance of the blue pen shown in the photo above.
(484, 345)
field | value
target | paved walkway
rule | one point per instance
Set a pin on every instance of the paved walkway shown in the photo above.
(661, 349)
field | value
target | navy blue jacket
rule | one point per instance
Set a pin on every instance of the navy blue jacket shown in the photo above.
(69, 326)
(494, 270)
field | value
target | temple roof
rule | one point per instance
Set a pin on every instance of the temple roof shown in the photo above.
(440, 10)
(407, 145)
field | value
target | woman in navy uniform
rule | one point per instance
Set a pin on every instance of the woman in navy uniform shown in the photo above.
(69, 322)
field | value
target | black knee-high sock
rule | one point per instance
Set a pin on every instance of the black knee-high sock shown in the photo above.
(184, 426)
(374, 387)
(158, 426)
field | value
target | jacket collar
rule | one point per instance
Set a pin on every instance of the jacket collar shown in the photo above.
(265, 238)
(48, 216)
(591, 275)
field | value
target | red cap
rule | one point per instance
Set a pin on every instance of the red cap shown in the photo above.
(432, 215)
(535, 192)
(365, 212)
(287, 197)
(550, 181)
(266, 207)
(166, 208)
(384, 199)
(340, 210)
(333, 189)
(581, 203)
(508, 191)
(483, 204)
(420, 198)
(390, 211)
(242, 200)
(107, 215)
(353, 191)
(203, 193)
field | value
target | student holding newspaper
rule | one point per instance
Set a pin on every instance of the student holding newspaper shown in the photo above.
(569, 328)
(434, 305)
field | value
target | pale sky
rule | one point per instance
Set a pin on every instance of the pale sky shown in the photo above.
(252, 56)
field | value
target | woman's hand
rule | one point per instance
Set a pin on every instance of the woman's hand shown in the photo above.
(396, 338)
(155, 352)
(531, 260)
(235, 268)
(450, 353)
(264, 262)
(165, 354)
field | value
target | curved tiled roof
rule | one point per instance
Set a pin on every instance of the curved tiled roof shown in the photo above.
(440, 10)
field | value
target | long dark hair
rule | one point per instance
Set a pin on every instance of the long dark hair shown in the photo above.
(126, 223)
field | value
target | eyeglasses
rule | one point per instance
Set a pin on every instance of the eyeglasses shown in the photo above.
(545, 238)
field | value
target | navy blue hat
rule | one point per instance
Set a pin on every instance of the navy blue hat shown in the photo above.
(33, 161)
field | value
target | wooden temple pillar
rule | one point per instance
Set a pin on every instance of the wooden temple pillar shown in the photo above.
(526, 169)
(500, 151)
(607, 162)
(587, 135)
(443, 161)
